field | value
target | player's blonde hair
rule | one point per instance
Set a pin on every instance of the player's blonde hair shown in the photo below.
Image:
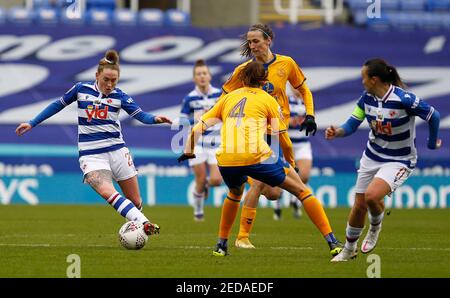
(111, 61)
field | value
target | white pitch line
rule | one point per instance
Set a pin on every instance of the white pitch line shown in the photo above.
(210, 247)
(25, 245)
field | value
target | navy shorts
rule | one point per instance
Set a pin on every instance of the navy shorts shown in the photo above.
(269, 173)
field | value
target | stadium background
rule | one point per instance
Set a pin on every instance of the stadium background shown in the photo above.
(42, 54)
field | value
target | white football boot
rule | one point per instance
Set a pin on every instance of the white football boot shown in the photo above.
(243, 243)
(345, 255)
(370, 241)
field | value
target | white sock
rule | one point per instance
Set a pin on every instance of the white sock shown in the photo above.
(277, 204)
(126, 208)
(295, 200)
(352, 234)
(375, 221)
(199, 203)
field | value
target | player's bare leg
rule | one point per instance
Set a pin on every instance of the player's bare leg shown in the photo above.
(355, 226)
(215, 179)
(374, 197)
(101, 182)
(130, 188)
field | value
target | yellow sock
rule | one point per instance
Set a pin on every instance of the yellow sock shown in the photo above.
(315, 212)
(229, 211)
(248, 215)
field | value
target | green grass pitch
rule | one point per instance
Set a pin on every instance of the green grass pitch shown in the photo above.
(36, 240)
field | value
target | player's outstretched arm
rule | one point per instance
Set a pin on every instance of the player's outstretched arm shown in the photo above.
(433, 126)
(48, 112)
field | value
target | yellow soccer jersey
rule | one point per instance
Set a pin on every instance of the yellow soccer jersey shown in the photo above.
(280, 70)
(245, 114)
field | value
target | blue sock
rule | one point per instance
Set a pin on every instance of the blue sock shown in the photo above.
(330, 238)
(223, 242)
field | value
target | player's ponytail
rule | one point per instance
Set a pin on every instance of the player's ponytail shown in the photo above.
(387, 73)
(110, 60)
(253, 74)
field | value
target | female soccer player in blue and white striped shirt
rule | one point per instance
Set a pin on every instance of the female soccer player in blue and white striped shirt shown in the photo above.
(194, 105)
(103, 155)
(390, 155)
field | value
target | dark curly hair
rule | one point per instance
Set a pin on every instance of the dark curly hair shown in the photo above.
(266, 32)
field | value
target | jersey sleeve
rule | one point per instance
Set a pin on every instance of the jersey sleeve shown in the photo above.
(129, 106)
(71, 95)
(296, 76)
(215, 113)
(275, 116)
(415, 106)
(233, 81)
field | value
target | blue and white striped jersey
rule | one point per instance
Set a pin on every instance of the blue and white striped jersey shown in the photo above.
(392, 123)
(99, 129)
(194, 105)
(298, 111)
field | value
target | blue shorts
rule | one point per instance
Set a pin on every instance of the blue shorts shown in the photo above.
(269, 173)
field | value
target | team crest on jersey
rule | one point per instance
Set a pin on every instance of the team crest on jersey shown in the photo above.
(109, 100)
(268, 87)
(392, 113)
(281, 73)
(380, 116)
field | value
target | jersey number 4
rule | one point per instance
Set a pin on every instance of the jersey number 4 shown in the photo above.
(238, 111)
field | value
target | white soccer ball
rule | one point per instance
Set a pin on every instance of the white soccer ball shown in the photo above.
(132, 235)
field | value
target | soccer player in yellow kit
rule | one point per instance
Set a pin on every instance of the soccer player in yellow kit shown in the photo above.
(280, 69)
(246, 114)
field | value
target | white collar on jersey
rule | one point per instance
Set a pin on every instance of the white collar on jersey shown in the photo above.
(208, 92)
(385, 96)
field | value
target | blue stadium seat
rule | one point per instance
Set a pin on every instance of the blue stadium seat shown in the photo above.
(430, 21)
(357, 4)
(412, 5)
(389, 5)
(101, 4)
(438, 5)
(124, 17)
(174, 17)
(151, 17)
(21, 15)
(97, 16)
(47, 15)
(403, 21)
(445, 21)
(37, 4)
